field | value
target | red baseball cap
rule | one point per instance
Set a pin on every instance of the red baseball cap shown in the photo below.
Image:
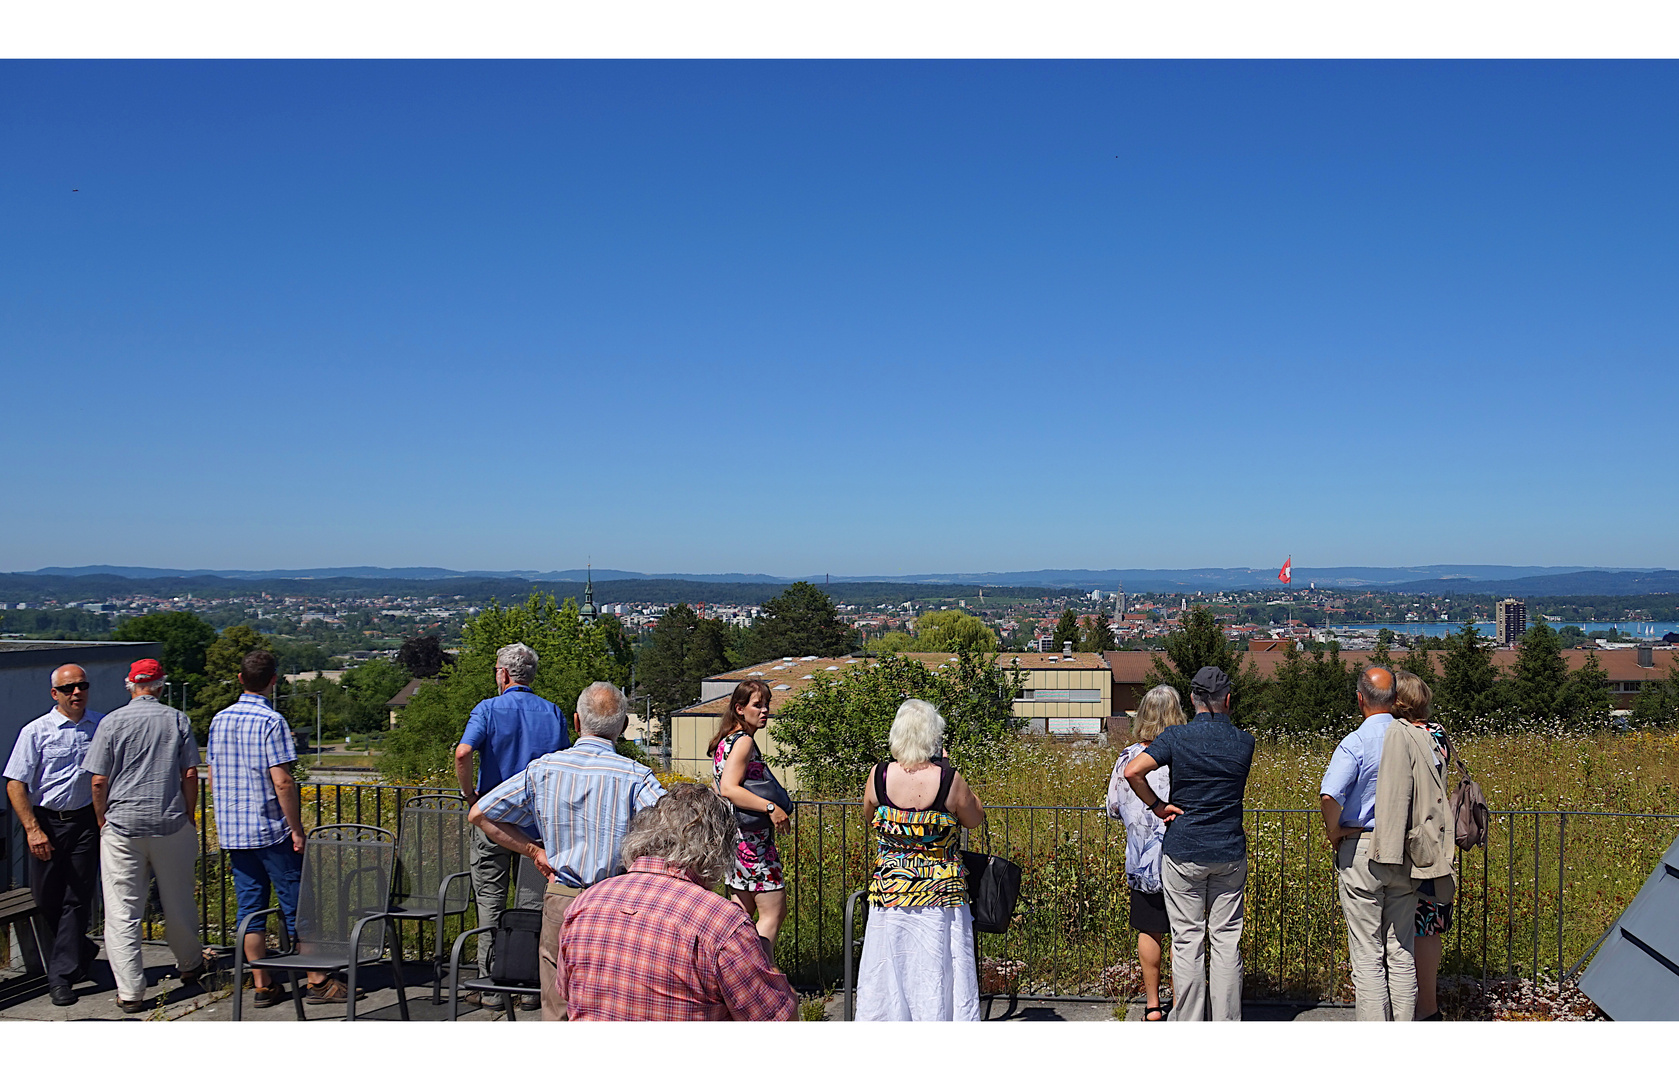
(145, 671)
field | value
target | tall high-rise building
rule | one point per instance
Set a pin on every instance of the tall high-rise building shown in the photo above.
(1119, 603)
(1509, 622)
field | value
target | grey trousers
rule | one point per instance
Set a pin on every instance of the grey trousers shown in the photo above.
(1380, 904)
(1204, 903)
(492, 869)
(129, 863)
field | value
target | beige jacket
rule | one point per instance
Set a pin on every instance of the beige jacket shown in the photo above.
(1413, 826)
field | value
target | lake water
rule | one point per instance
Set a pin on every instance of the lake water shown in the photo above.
(1440, 629)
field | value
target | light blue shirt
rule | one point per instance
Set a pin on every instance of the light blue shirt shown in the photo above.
(581, 801)
(47, 759)
(1351, 777)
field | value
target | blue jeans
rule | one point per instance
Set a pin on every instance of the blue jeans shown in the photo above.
(255, 869)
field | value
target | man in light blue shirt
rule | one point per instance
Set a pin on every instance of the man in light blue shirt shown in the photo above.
(1378, 900)
(580, 800)
(53, 800)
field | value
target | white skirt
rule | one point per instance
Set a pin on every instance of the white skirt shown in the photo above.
(918, 964)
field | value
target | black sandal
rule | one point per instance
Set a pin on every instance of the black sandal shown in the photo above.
(1154, 1009)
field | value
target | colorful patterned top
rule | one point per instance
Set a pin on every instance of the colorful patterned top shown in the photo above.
(917, 861)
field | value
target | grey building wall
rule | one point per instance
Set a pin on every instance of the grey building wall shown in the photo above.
(25, 671)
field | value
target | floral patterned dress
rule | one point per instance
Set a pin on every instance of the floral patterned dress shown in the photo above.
(1433, 917)
(757, 863)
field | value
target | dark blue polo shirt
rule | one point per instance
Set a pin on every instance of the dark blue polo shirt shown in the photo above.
(1210, 758)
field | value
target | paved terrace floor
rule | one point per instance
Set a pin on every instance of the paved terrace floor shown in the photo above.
(169, 1000)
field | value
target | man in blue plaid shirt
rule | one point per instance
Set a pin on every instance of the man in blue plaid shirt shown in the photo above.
(259, 818)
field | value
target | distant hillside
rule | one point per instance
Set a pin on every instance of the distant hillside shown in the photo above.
(1582, 583)
(32, 588)
(1439, 577)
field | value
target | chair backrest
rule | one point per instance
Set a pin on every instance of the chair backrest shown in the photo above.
(435, 841)
(346, 877)
(529, 886)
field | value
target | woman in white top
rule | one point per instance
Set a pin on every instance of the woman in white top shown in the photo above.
(1161, 708)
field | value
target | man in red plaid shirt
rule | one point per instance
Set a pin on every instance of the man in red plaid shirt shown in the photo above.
(655, 943)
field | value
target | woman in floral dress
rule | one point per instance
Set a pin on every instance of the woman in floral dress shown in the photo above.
(755, 882)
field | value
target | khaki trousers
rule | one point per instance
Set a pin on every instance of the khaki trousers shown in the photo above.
(125, 862)
(554, 904)
(1380, 904)
(1204, 904)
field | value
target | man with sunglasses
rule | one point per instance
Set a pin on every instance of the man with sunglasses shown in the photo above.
(53, 799)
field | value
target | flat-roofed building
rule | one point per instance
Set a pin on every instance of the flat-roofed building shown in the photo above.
(1064, 694)
(1509, 622)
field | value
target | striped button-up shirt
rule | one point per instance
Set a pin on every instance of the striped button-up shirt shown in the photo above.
(580, 801)
(653, 945)
(47, 759)
(246, 740)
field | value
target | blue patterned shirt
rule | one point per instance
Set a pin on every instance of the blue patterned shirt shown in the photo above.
(246, 740)
(47, 759)
(580, 800)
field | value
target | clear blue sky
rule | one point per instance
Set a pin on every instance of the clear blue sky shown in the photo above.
(849, 318)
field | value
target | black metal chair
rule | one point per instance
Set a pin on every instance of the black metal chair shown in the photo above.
(345, 889)
(434, 847)
(522, 943)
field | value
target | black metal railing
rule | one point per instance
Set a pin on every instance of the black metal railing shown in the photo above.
(1533, 901)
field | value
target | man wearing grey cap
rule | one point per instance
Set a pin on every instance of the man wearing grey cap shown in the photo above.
(1204, 857)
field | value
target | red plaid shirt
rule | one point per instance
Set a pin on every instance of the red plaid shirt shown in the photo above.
(653, 945)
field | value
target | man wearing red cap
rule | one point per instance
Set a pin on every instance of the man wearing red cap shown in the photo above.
(144, 763)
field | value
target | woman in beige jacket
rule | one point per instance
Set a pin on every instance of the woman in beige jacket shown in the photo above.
(1422, 751)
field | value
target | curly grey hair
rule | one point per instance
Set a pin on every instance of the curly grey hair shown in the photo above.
(520, 661)
(691, 828)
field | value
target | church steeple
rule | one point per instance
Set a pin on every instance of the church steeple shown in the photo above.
(589, 611)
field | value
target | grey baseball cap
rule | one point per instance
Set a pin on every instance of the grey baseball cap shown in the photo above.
(1210, 683)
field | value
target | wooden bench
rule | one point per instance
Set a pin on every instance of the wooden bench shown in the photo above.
(17, 909)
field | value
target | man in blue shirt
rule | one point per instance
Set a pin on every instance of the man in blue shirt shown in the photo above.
(507, 732)
(1204, 856)
(1378, 900)
(53, 800)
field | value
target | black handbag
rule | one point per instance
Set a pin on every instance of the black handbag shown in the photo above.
(767, 788)
(517, 936)
(993, 887)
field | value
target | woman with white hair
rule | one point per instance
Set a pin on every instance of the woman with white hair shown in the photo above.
(918, 948)
(1160, 709)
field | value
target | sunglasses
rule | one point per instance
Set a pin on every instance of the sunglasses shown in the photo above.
(71, 687)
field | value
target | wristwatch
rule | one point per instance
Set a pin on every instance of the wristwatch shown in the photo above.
(769, 808)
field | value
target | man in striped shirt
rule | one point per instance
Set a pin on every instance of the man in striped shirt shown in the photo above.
(657, 943)
(580, 801)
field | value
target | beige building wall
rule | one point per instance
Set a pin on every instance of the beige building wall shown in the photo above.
(1054, 697)
(689, 734)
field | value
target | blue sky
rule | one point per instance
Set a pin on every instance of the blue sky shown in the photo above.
(850, 318)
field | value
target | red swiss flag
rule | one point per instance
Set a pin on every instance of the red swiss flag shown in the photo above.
(1286, 574)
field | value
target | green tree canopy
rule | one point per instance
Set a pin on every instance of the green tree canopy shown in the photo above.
(1097, 635)
(422, 657)
(1382, 656)
(571, 655)
(1467, 692)
(221, 673)
(1585, 702)
(683, 651)
(801, 621)
(1311, 694)
(1066, 630)
(184, 636)
(837, 728)
(1540, 675)
(1199, 642)
(939, 631)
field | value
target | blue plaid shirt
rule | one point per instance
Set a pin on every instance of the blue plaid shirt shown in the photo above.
(246, 740)
(580, 800)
